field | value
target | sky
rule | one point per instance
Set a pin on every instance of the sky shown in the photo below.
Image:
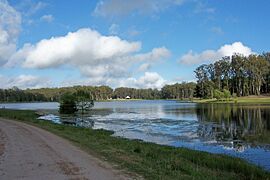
(123, 43)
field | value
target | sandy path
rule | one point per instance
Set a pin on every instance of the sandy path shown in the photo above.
(28, 152)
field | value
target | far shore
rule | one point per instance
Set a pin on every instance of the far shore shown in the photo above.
(238, 100)
(263, 99)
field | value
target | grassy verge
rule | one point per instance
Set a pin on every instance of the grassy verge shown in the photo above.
(149, 160)
(239, 100)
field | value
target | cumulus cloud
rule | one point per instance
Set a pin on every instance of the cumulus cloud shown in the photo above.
(151, 80)
(24, 81)
(83, 47)
(103, 59)
(148, 80)
(124, 7)
(47, 18)
(212, 55)
(10, 25)
(155, 55)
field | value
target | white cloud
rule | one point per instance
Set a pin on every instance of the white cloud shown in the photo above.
(151, 80)
(124, 7)
(10, 25)
(148, 80)
(102, 59)
(214, 55)
(80, 48)
(24, 81)
(155, 55)
(47, 18)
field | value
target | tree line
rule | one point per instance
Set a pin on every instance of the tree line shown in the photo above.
(238, 74)
(16, 95)
(97, 93)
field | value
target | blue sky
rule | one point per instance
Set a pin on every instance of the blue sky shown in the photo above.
(142, 43)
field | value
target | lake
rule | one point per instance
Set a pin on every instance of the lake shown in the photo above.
(233, 129)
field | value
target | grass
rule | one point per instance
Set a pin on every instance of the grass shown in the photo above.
(148, 160)
(238, 100)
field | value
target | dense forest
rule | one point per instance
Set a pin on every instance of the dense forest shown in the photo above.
(231, 76)
(17, 95)
(176, 91)
(240, 75)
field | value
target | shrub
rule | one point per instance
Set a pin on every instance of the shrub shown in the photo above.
(218, 94)
(227, 94)
(67, 104)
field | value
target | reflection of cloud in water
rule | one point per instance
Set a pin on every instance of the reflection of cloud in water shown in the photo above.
(51, 117)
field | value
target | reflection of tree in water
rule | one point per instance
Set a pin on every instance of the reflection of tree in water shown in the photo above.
(84, 120)
(234, 123)
(77, 120)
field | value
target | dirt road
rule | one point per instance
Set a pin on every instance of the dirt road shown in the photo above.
(28, 152)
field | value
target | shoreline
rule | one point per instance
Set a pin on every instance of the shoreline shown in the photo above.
(152, 161)
(244, 99)
(238, 100)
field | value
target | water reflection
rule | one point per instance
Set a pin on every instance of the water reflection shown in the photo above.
(234, 123)
(76, 120)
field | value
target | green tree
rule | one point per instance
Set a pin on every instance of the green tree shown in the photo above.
(227, 94)
(67, 104)
(258, 68)
(218, 94)
(201, 74)
(83, 100)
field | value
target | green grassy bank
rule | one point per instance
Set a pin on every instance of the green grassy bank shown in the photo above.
(148, 160)
(239, 100)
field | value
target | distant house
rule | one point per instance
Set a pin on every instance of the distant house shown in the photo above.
(127, 97)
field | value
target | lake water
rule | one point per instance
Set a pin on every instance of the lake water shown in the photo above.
(238, 130)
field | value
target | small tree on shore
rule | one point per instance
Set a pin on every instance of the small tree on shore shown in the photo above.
(67, 104)
(78, 101)
(84, 102)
